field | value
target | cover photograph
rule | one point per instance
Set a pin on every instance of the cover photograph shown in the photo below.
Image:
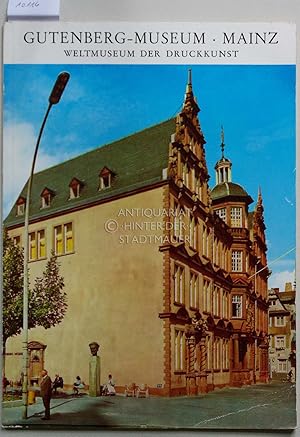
(149, 226)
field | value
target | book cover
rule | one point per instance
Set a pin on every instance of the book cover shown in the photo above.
(149, 226)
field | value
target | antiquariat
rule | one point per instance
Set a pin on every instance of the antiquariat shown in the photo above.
(183, 313)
